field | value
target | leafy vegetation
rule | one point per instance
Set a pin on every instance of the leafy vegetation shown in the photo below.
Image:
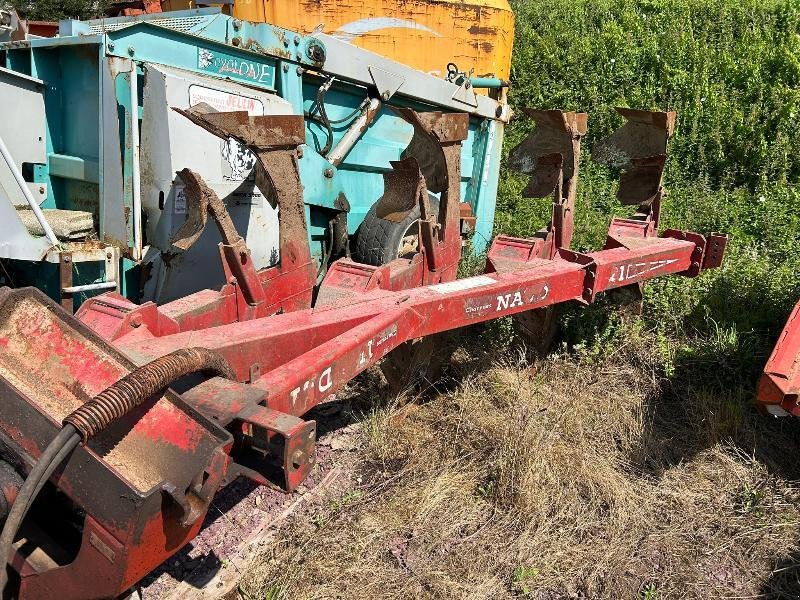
(54, 10)
(731, 70)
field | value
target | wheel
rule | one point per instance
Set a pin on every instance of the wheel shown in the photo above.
(417, 364)
(379, 241)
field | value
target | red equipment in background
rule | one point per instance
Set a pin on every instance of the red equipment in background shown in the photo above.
(136, 491)
(779, 386)
(130, 8)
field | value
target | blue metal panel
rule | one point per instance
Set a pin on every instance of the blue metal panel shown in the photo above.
(149, 43)
(19, 60)
(257, 55)
(80, 111)
(486, 184)
(319, 189)
(48, 68)
(290, 77)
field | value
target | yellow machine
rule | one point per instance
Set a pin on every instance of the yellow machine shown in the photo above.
(476, 35)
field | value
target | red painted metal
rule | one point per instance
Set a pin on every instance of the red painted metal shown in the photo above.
(287, 355)
(130, 8)
(42, 28)
(134, 483)
(779, 388)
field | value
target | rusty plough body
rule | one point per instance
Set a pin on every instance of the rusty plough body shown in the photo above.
(137, 488)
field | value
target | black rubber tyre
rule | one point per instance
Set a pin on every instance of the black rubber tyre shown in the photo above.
(378, 241)
(418, 364)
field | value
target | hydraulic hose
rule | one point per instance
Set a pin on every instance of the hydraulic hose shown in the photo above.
(95, 415)
(136, 386)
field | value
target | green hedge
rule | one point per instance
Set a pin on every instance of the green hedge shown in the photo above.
(730, 69)
(732, 72)
(55, 10)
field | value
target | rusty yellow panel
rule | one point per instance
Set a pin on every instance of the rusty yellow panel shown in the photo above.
(425, 34)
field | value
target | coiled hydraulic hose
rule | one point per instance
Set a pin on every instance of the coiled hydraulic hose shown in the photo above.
(95, 415)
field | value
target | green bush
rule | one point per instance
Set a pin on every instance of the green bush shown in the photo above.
(731, 70)
(54, 10)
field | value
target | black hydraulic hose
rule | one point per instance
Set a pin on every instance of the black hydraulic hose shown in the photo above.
(94, 416)
(67, 438)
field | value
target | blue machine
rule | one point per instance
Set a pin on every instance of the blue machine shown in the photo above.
(89, 197)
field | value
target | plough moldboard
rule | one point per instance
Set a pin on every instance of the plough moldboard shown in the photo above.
(133, 467)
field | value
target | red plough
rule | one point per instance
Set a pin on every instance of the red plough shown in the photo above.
(779, 388)
(146, 463)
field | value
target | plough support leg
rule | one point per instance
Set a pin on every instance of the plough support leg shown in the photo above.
(551, 156)
(435, 153)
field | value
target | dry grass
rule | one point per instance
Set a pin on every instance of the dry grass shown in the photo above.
(575, 477)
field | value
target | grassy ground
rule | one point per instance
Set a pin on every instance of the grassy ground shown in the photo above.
(629, 463)
(576, 477)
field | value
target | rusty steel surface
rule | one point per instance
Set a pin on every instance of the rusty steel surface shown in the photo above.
(144, 482)
(200, 200)
(638, 148)
(550, 155)
(65, 279)
(402, 187)
(274, 139)
(131, 481)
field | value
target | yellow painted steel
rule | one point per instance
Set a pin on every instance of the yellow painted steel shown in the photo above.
(425, 34)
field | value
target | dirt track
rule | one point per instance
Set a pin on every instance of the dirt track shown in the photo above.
(244, 518)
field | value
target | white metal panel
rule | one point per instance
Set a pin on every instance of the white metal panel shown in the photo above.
(24, 130)
(355, 64)
(26, 144)
(112, 225)
(169, 143)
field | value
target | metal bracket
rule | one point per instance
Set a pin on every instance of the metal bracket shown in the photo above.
(276, 141)
(201, 200)
(298, 454)
(466, 94)
(590, 269)
(387, 82)
(65, 280)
